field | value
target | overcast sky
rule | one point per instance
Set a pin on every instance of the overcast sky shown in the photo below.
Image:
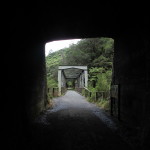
(57, 45)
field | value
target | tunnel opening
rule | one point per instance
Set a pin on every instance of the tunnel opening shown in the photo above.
(120, 79)
(71, 112)
(122, 102)
(96, 54)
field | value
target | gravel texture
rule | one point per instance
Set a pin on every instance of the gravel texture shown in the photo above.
(75, 124)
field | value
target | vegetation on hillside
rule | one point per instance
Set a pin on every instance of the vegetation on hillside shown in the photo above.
(96, 53)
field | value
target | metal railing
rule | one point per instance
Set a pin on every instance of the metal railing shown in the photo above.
(94, 95)
(83, 91)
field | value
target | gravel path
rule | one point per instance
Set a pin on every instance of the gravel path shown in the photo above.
(75, 124)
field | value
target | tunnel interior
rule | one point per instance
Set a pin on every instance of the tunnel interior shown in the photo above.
(28, 33)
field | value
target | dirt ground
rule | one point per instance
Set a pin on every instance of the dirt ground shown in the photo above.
(75, 124)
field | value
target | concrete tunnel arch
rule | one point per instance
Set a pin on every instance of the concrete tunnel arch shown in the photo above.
(81, 78)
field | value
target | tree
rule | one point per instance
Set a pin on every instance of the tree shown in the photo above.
(96, 53)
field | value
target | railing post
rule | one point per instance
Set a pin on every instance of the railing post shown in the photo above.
(53, 91)
(95, 96)
(90, 94)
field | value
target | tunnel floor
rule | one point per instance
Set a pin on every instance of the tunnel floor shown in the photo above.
(75, 124)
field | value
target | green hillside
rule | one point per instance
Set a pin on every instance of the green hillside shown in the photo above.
(96, 53)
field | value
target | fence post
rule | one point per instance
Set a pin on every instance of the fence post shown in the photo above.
(53, 91)
(90, 94)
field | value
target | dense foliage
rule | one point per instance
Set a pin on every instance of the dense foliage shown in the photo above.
(96, 53)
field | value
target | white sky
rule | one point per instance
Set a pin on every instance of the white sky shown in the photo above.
(57, 45)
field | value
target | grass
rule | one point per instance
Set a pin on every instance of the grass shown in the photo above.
(49, 99)
(102, 103)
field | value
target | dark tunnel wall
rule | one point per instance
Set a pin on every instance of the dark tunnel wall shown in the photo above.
(131, 72)
(24, 88)
(24, 67)
(35, 79)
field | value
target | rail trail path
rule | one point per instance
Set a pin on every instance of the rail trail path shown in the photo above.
(75, 124)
